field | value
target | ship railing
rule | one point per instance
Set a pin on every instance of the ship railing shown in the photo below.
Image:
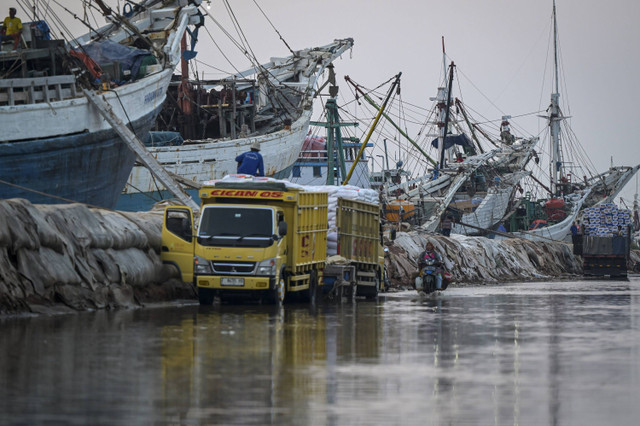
(314, 155)
(26, 91)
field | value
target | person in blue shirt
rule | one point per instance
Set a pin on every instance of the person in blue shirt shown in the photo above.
(251, 163)
(574, 229)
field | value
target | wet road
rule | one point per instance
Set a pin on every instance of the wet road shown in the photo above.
(563, 353)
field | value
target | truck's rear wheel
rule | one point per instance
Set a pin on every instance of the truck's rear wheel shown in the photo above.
(368, 291)
(378, 285)
(205, 296)
(385, 283)
(311, 294)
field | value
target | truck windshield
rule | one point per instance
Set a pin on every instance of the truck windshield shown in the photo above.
(236, 227)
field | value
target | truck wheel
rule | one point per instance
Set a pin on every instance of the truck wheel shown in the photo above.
(369, 292)
(205, 296)
(311, 294)
(280, 291)
(386, 282)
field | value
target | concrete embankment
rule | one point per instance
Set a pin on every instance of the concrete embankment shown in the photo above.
(73, 258)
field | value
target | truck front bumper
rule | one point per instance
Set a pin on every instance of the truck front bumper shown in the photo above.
(232, 283)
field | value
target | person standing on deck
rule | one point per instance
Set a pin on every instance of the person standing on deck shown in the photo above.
(576, 237)
(251, 163)
(11, 28)
(574, 229)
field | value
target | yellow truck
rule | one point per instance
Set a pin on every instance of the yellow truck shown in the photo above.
(259, 239)
(360, 243)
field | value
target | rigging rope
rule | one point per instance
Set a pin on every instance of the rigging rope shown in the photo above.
(274, 28)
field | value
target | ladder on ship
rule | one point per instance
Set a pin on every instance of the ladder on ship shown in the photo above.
(139, 149)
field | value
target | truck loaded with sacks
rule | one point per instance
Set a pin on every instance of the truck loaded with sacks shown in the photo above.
(355, 263)
(267, 239)
(605, 241)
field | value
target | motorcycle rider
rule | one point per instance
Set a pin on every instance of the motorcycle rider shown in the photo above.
(430, 253)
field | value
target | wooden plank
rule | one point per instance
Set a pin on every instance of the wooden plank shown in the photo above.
(138, 147)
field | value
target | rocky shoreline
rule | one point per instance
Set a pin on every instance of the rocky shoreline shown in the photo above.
(66, 258)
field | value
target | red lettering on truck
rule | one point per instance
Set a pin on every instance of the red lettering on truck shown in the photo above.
(271, 194)
(245, 193)
(233, 193)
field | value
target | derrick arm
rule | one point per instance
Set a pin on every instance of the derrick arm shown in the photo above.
(373, 126)
(402, 132)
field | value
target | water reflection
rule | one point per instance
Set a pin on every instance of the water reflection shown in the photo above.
(544, 353)
(256, 364)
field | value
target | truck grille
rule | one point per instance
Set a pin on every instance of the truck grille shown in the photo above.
(234, 268)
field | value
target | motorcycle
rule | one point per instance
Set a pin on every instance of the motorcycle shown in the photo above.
(427, 278)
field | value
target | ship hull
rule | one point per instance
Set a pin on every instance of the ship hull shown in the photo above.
(55, 145)
(87, 167)
(65, 151)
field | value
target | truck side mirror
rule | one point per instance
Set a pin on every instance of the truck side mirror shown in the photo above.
(282, 228)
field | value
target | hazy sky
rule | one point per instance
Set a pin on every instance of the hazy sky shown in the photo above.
(500, 48)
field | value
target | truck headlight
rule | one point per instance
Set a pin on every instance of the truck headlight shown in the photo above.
(266, 267)
(201, 266)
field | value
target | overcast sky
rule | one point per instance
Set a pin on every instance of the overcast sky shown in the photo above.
(500, 48)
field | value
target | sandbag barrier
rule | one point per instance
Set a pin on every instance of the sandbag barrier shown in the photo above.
(65, 258)
(57, 258)
(481, 260)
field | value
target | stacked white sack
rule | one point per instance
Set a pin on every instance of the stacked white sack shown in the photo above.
(349, 192)
(335, 192)
(604, 219)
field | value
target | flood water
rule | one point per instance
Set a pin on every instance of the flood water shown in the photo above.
(554, 353)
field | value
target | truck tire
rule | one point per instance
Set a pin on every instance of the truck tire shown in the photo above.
(278, 295)
(311, 294)
(205, 296)
(368, 291)
(386, 281)
(281, 289)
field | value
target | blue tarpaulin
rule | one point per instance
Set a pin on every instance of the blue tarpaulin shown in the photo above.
(451, 140)
(104, 52)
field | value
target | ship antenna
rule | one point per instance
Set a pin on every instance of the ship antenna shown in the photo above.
(444, 59)
(555, 46)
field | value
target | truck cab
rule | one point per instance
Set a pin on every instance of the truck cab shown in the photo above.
(254, 242)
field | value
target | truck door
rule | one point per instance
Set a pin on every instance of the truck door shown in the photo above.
(178, 240)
